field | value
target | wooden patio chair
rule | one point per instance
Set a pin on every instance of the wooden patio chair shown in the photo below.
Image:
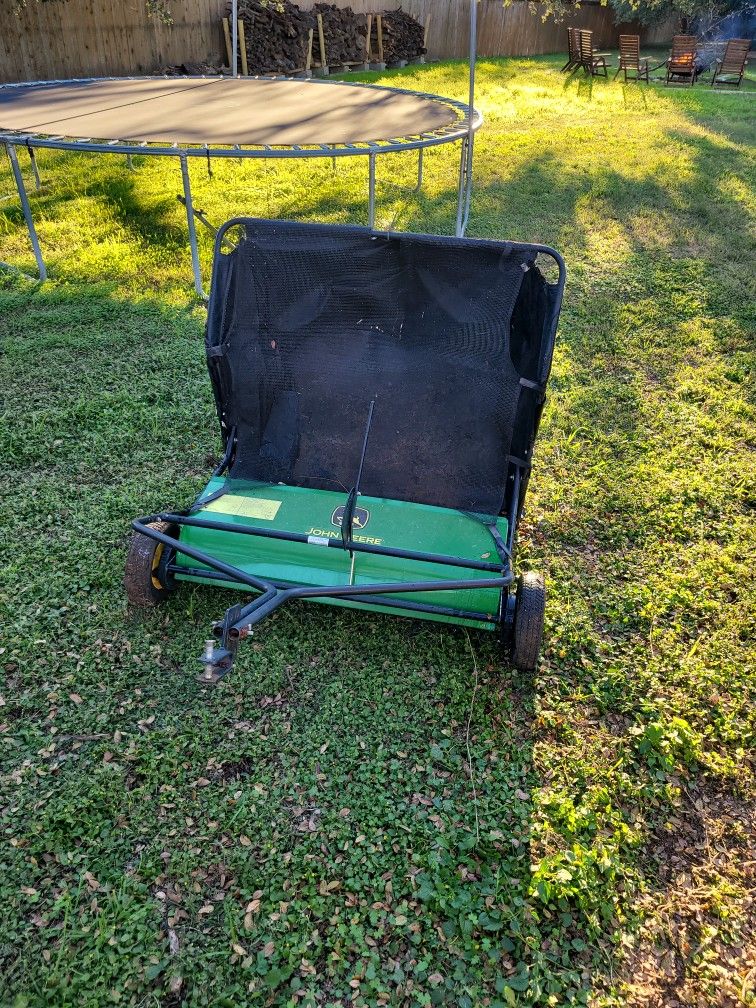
(682, 59)
(731, 67)
(593, 63)
(573, 49)
(630, 58)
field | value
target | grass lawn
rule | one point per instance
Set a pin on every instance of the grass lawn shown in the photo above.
(371, 811)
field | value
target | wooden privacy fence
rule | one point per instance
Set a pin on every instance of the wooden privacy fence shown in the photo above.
(79, 38)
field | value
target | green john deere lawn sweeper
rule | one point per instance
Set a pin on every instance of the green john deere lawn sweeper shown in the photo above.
(378, 398)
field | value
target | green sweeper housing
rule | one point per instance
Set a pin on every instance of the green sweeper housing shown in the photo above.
(378, 398)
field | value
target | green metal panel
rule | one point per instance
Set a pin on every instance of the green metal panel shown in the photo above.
(378, 521)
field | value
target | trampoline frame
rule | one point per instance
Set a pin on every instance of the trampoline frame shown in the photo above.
(462, 130)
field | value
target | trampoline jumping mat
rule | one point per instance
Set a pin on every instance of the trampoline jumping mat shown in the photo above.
(228, 111)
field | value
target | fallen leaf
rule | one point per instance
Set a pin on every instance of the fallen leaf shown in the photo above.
(268, 949)
(91, 881)
(75, 698)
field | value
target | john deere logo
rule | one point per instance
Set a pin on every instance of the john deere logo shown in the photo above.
(359, 520)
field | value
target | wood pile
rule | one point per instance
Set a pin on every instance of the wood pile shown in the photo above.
(403, 37)
(191, 70)
(276, 35)
(345, 34)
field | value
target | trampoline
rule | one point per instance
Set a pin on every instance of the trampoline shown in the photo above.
(230, 117)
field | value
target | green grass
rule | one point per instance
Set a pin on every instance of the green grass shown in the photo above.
(373, 811)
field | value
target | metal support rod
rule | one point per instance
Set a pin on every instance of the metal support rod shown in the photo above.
(371, 190)
(129, 162)
(420, 169)
(257, 610)
(463, 207)
(391, 603)
(299, 537)
(192, 229)
(461, 187)
(235, 37)
(34, 168)
(21, 189)
(271, 597)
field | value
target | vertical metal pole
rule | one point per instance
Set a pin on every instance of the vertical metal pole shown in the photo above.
(420, 168)
(462, 220)
(235, 37)
(21, 189)
(129, 162)
(459, 228)
(371, 190)
(35, 169)
(192, 229)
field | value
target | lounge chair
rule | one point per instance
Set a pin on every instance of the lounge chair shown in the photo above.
(593, 63)
(573, 49)
(731, 67)
(681, 64)
(630, 58)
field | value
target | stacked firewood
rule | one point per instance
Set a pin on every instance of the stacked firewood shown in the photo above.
(191, 70)
(276, 35)
(345, 33)
(403, 37)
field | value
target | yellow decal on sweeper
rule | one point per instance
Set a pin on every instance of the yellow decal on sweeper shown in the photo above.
(245, 507)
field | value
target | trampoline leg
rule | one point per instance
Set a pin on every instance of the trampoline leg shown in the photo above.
(464, 191)
(468, 186)
(420, 169)
(459, 229)
(35, 169)
(192, 229)
(371, 190)
(21, 188)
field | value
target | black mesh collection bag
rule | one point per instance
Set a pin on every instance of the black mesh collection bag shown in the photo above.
(450, 339)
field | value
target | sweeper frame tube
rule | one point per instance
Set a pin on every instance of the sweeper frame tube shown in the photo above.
(272, 596)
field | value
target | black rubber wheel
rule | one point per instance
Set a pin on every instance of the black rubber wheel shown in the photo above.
(528, 622)
(145, 585)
